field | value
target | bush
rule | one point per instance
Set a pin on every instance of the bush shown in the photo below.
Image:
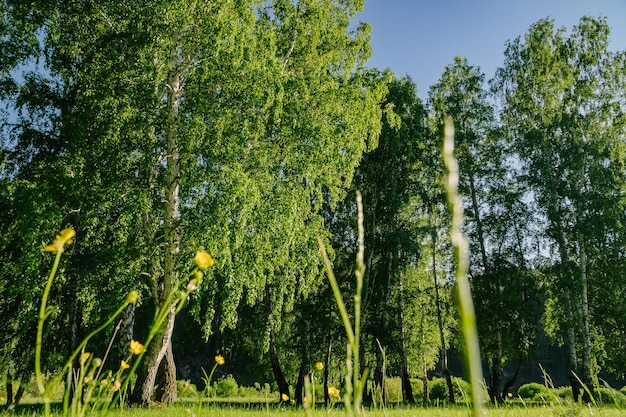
(186, 389)
(609, 396)
(226, 387)
(534, 391)
(439, 389)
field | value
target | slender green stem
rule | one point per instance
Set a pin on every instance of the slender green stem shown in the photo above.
(337, 293)
(461, 249)
(43, 314)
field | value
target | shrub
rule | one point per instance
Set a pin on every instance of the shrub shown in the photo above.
(609, 396)
(439, 389)
(534, 391)
(226, 387)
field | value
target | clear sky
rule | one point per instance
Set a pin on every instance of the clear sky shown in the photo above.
(420, 37)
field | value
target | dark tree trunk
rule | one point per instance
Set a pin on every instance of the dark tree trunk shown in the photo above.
(19, 394)
(305, 364)
(407, 389)
(279, 377)
(511, 381)
(494, 380)
(299, 391)
(9, 385)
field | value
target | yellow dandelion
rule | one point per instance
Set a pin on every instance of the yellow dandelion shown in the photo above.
(319, 366)
(203, 260)
(285, 397)
(124, 365)
(219, 359)
(116, 386)
(333, 392)
(136, 348)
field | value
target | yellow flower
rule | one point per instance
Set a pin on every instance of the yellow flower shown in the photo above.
(285, 397)
(132, 297)
(219, 359)
(136, 348)
(124, 365)
(62, 239)
(319, 366)
(198, 276)
(509, 394)
(84, 356)
(67, 235)
(116, 386)
(333, 392)
(305, 400)
(203, 260)
(104, 383)
(86, 379)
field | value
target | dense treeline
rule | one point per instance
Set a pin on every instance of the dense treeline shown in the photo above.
(159, 128)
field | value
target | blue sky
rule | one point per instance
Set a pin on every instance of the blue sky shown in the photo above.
(420, 37)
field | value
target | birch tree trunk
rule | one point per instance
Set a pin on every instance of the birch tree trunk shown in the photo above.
(146, 378)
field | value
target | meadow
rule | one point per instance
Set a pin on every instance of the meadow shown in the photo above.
(191, 409)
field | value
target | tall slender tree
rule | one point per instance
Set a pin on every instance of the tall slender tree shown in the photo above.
(563, 106)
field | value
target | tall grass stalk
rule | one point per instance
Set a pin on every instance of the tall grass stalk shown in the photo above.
(461, 249)
(355, 381)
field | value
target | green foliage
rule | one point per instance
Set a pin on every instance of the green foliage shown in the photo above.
(534, 391)
(438, 389)
(226, 387)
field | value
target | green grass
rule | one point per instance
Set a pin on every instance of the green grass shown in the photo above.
(189, 409)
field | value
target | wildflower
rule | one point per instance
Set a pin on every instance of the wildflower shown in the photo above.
(86, 379)
(509, 394)
(124, 365)
(333, 392)
(62, 239)
(116, 386)
(84, 356)
(104, 383)
(203, 260)
(132, 297)
(285, 397)
(219, 359)
(319, 366)
(198, 276)
(136, 348)
(96, 362)
(305, 400)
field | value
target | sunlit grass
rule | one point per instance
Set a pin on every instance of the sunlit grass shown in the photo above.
(184, 409)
